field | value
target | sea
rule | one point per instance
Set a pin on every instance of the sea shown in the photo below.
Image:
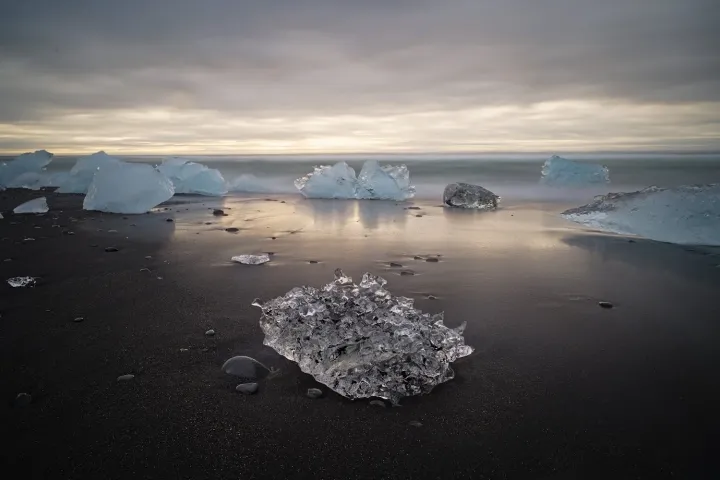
(510, 175)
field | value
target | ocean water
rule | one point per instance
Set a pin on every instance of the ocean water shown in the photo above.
(512, 176)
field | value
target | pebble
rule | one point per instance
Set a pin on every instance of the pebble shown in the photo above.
(377, 403)
(169, 220)
(407, 273)
(78, 319)
(184, 350)
(93, 245)
(125, 378)
(112, 231)
(29, 239)
(232, 229)
(247, 388)
(605, 304)
(415, 423)
(419, 216)
(432, 297)
(314, 393)
(217, 212)
(111, 249)
(313, 261)
(393, 264)
(145, 269)
(413, 208)
(245, 367)
(148, 257)
(432, 259)
(417, 258)
(8, 260)
(273, 238)
(23, 399)
(210, 333)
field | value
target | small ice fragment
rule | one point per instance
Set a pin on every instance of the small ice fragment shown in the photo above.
(145, 269)
(148, 257)
(125, 378)
(1, 216)
(78, 319)
(558, 171)
(465, 195)
(415, 423)
(314, 393)
(247, 388)
(251, 259)
(184, 350)
(210, 333)
(23, 399)
(245, 367)
(112, 231)
(38, 205)
(377, 403)
(21, 281)
(360, 340)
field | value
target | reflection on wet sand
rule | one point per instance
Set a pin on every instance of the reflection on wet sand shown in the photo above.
(340, 214)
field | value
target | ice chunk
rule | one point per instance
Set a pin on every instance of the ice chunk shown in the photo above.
(245, 367)
(361, 341)
(21, 282)
(249, 183)
(685, 215)
(465, 195)
(251, 259)
(337, 181)
(374, 183)
(81, 175)
(127, 188)
(386, 183)
(26, 163)
(191, 177)
(37, 205)
(558, 171)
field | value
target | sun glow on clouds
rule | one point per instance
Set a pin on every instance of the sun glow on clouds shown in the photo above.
(551, 126)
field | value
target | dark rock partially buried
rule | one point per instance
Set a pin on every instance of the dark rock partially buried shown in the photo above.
(465, 195)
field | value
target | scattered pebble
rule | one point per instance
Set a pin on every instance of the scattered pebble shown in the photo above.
(125, 378)
(417, 258)
(393, 264)
(133, 225)
(208, 223)
(605, 304)
(407, 273)
(232, 230)
(432, 297)
(412, 208)
(415, 423)
(314, 393)
(377, 403)
(125, 218)
(310, 261)
(631, 241)
(38, 227)
(23, 399)
(8, 260)
(78, 319)
(112, 231)
(217, 212)
(28, 239)
(432, 259)
(111, 249)
(148, 257)
(169, 220)
(210, 333)
(184, 350)
(145, 269)
(273, 238)
(247, 388)
(245, 367)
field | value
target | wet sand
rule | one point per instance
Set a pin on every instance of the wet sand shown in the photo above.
(557, 387)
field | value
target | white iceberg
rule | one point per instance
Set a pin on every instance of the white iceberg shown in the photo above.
(558, 171)
(374, 183)
(248, 183)
(27, 163)
(81, 175)
(191, 177)
(127, 188)
(251, 259)
(685, 215)
(37, 205)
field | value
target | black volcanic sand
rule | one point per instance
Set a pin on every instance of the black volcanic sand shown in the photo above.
(557, 387)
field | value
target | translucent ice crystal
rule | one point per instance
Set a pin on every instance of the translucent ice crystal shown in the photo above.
(251, 259)
(558, 171)
(360, 340)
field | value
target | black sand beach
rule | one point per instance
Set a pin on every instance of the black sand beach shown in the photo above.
(558, 388)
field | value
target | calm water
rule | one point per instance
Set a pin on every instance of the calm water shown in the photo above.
(513, 176)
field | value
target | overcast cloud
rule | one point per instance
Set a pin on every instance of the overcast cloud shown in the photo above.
(357, 75)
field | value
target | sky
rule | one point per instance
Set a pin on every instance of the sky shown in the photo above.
(314, 76)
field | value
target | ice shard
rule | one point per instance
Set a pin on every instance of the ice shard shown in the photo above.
(337, 181)
(375, 182)
(686, 215)
(37, 205)
(466, 195)
(360, 340)
(251, 259)
(81, 175)
(193, 178)
(558, 171)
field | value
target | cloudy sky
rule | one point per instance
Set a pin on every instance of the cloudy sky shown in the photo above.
(282, 76)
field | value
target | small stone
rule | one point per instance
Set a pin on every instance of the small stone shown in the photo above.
(377, 403)
(210, 333)
(28, 239)
(417, 258)
(111, 249)
(148, 257)
(232, 230)
(247, 388)
(313, 261)
(112, 231)
(125, 218)
(314, 393)
(605, 304)
(631, 241)
(217, 212)
(169, 220)
(38, 227)
(273, 238)
(93, 245)
(133, 225)
(393, 264)
(432, 297)
(8, 260)
(125, 378)
(145, 269)
(23, 399)
(415, 423)
(71, 233)
(419, 216)
(432, 259)
(184, 350)
(78, 319)
(407, 273)
(245, 367)
(412, 208)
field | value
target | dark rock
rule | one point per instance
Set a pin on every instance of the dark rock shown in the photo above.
(415, 423)
(232, 229)
(605, 304)
(412, 208)
(247, 388)
(314, 393)
(465, 195)
(407, 273)
(377, 403)
(313, 261)
(218, 213)
(169, 220)
(23, 399)
(111, 249)
(393, 264)
(432, 259)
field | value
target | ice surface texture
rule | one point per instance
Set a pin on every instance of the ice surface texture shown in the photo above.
(465, 195)
(558, 171)
(361, 341)
(191, 177)
(251, 259)
(127, 188)
(27, 165)
(37, 205)
(21, 282)
(81, 175)
(685, 215)
(375, 182)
